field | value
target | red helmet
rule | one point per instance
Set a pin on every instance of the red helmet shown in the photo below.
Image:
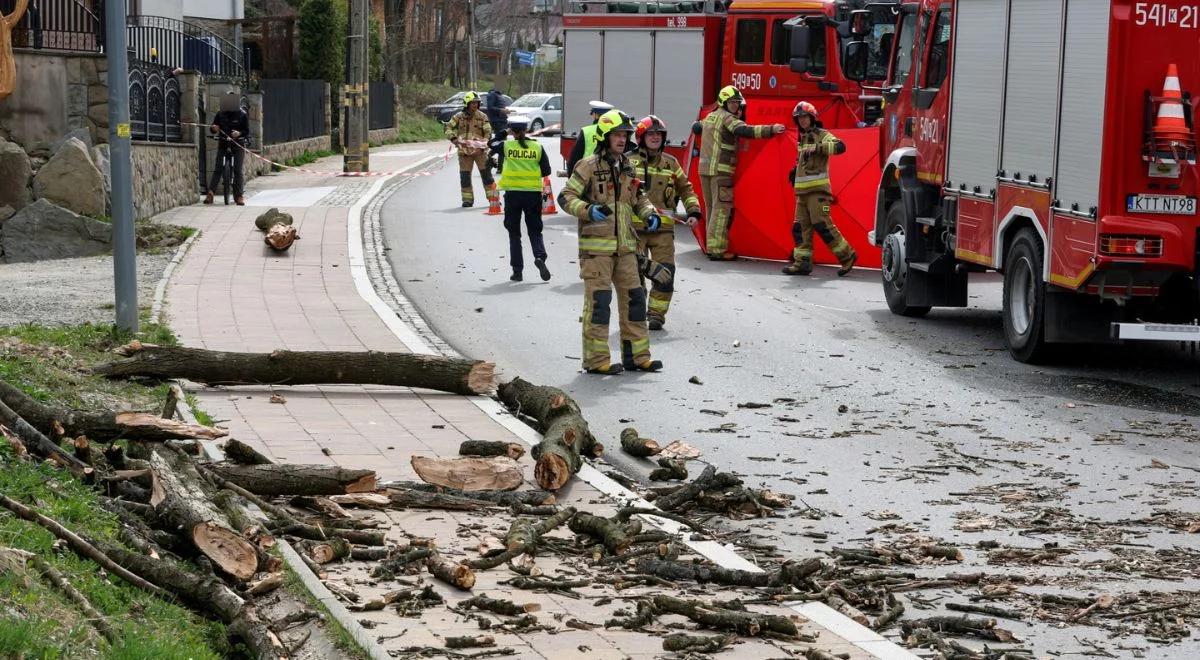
(650, 124)
(805, 108)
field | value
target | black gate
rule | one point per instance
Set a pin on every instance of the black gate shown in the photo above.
(153, 103)
(292, 109)
(382, 104)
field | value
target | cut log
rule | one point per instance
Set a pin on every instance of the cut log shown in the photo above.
(314, 533)
(399, 564)
(499, 497)
(566, 437)
(36, 442)
(239, 452)
(499, 606)
(696, 643)
(365, 500)
(323, 552)
(634, 445)
(708, 479)
(418, 499)
(609, 532)
(712, 616)
(454, 375)
(101, 426)
(677, 570)
(451, 572)
(670, 469)
(272, 217)
(470, 642)
(179, 497)
(523, 537)
(469, 473)
(295, 479)
(491, 448)
(174, 396)
(18, 447)
(280, 237)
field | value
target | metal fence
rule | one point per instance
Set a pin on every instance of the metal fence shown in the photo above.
(179, 44)
(76, 25)
(382, 97)
(154, 100)
(292, 109)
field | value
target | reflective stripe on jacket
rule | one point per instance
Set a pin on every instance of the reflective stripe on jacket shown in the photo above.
(812, 170)
(468, 127)
(522, 168)
(719, 135)
(665, 184)
(599, 181)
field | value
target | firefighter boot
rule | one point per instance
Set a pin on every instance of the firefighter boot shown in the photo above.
(657, 323)
(631, 364)
(610, 370)
(798, 268)
(468, 191)
(848, 265)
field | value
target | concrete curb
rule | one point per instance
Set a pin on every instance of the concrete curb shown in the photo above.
(160, 291)
(395, 318)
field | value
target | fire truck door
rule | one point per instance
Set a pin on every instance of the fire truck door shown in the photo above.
(581, 82)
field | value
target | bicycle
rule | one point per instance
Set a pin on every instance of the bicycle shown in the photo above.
(227, 162)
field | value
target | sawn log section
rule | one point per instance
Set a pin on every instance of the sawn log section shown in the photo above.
(454, 375)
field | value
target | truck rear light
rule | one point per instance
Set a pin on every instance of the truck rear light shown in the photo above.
(1115, 245)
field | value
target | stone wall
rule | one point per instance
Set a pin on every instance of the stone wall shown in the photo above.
(56, 93)
(381, 135)
(287, 150)
(164, 176)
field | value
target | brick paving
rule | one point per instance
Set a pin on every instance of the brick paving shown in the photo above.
(231, 292)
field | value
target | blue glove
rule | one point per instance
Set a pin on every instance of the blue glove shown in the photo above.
(597, 214)
(653, 222)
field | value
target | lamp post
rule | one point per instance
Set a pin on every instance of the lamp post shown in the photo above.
(121, 167)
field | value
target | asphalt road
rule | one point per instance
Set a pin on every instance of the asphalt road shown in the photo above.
(886, 429)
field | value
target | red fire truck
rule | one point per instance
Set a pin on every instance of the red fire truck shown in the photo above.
(669, 58)
(1051, 140)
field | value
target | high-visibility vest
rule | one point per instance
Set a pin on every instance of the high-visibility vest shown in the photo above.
(522, 166)
(591, 137)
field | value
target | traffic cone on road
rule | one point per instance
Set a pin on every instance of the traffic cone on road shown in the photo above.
(547, 197)
(1170, 127)
(493, 196)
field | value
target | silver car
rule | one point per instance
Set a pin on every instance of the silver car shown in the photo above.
(544, 111)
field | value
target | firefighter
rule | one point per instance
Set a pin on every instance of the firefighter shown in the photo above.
(666, 185)
(719, 133)
(814, 195)
(468, 130)
(523, 163)
(587, 138)
(603, 193)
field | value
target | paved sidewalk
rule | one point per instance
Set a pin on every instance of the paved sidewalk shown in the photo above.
(231, 292)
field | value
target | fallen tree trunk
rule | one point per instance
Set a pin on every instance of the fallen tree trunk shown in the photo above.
(295, 479)
(708, 479)
(451, 572)
(469, 473)
(523, 537)
(499, 497)
(491, 448)
(179, 497)
(634, 445)
(39, 444)
(454, 375)
(566, 437)
(243, 454)
(744, 623)
(102, 425)
(607, 531)
(280, 237)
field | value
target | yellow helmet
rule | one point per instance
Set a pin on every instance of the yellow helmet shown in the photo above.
(727, 94)
(613, 120)
(469, 98)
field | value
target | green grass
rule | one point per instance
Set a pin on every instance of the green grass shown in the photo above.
(306, 158)
(37, 621)
(337, 634)
(415, 127)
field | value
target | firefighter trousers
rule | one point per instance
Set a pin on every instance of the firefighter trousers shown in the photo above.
(718, 201)
(812, 215)
(466, 162)
(529, 204)
(660, 247)
(601, 276)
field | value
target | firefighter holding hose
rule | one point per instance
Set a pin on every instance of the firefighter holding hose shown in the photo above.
(468, 131)
(666, 184)
(605, 195)
(814, 195)
(719, 133)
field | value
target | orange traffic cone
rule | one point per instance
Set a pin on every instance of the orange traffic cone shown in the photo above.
(493, 196)
(1170, 127)
(547, 197)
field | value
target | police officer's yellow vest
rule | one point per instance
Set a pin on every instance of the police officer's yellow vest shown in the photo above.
(591, 137)
(522, 166)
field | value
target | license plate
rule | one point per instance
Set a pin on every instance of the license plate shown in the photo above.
(1167, 204)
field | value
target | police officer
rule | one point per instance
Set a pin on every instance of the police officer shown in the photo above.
(588, 137)
(468, 130)
(523, 163)
(814, 195)
(666, 185)
(604, 194)
(719, 133)
(496, 108)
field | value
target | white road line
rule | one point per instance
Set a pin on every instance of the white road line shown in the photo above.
(721, 554)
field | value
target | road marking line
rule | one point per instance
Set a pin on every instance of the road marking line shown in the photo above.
(721, 554)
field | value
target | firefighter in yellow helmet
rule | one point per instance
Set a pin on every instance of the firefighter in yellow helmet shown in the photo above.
(668, 186)
(469, 130)
(814, 195)
(604, 194)
(719, 133)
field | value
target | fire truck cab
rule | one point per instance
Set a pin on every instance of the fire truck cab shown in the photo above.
(1050, 140)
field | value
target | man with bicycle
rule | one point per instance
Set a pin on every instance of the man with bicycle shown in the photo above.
(229, 125)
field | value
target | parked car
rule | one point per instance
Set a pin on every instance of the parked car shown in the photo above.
(445, 110)
(542, 110)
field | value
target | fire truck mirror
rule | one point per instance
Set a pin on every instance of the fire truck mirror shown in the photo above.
(800, 36)
(860, 23)
(855, 56)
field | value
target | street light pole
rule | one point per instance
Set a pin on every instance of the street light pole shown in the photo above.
(121, 200)
(471, 42)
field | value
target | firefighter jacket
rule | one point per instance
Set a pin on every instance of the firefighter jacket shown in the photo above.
(665, 184)
(522, 167)
(601, 181)
(719, 133)
(812, 164)
(463, 127)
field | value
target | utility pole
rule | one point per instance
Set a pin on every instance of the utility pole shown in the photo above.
(121, 201)
(471, 42)
(356, 90)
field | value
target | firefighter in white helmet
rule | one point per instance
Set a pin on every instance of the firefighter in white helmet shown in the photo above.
(588, 137)
(814, 196)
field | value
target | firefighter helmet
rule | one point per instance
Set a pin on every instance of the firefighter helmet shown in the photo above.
(805, 108)
(650, 124)
(469, 98)
(727, 94)
(613, 120)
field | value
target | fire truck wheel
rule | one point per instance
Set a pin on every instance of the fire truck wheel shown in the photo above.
(1024, 298)
(895, 269)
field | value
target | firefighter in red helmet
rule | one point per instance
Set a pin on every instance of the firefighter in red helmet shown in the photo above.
(814, 196)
